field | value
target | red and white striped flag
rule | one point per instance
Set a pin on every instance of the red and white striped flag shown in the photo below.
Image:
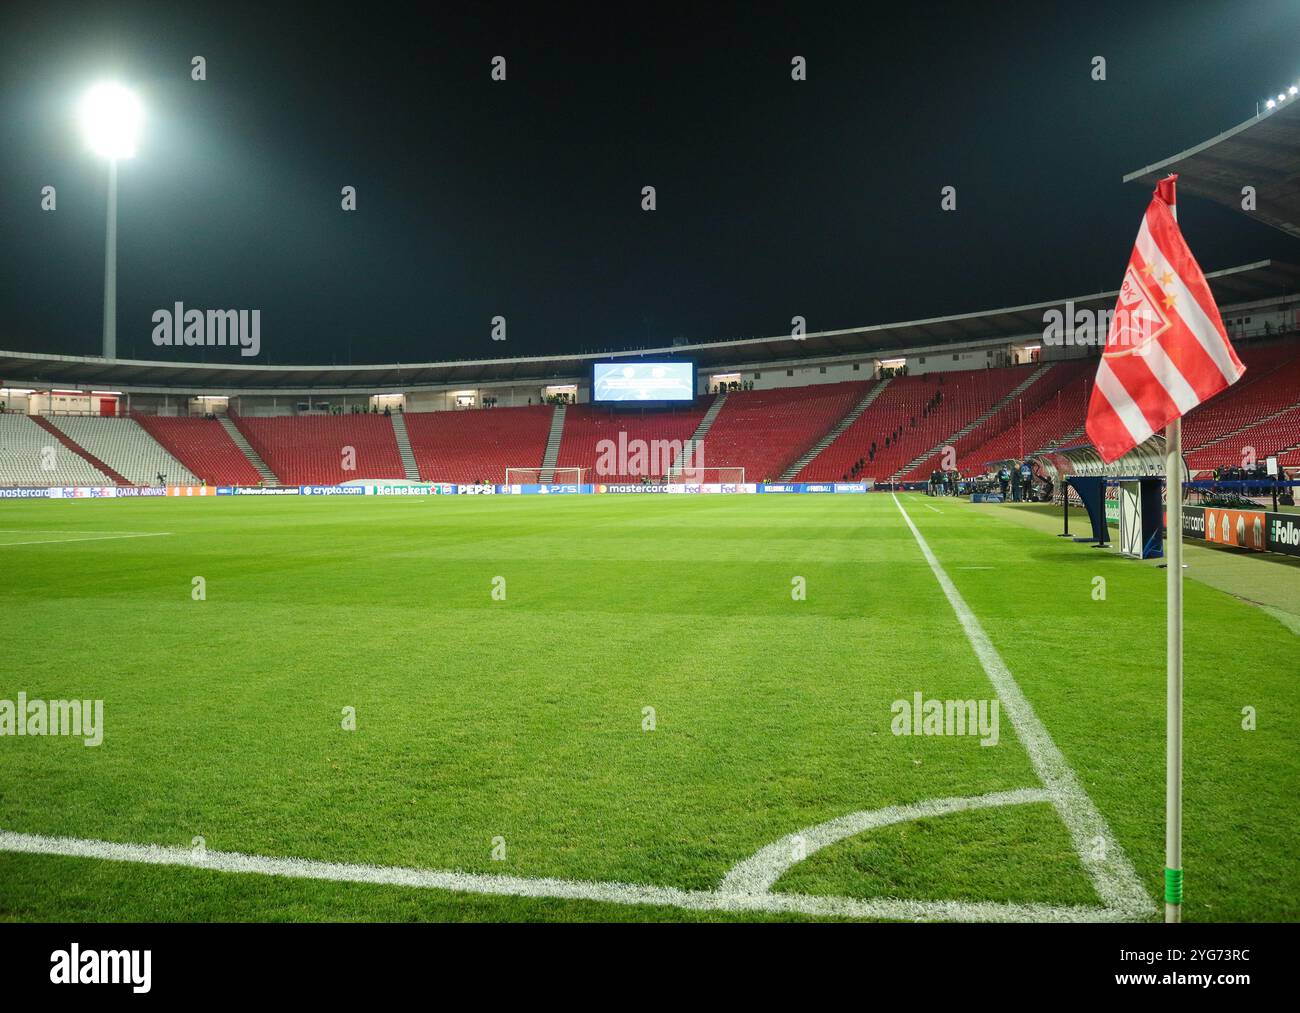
(1166, 349)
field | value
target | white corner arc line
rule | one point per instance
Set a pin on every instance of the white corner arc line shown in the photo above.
(1113, 876)
(760, 872)
(893, 909)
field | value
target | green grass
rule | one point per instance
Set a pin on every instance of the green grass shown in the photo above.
(523, 718)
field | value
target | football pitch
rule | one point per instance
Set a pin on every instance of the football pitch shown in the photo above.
(623, 708)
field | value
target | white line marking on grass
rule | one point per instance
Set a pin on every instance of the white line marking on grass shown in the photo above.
(759, 873)
(558, 889)
(1112, 874)
(74, 531)
(88, 538)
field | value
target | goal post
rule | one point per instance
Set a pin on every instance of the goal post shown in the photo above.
(533, 476)
(727, 475)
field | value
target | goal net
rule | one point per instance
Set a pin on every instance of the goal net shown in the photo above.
(708, 476)
(533, 476)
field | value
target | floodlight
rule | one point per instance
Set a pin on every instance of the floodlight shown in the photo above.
(111, 116)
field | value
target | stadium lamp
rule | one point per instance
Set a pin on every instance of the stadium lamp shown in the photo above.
(1293, 89)
(1269, 104)
(111, 117)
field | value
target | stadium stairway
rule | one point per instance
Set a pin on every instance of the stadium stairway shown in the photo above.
(1007, 399)
(403, 439)
(246, 448)
(202, 445)
(697, 437)
(1289, 457)
(325, 449)
(1038, 415)
(552, 446)
(1261, 421)
(80, 451)
(1068, 440)
(1272, 435)
(470, 445)
(1271, 385)
(764, 431)
(834, 431)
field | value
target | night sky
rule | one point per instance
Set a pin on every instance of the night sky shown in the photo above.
(522, 199)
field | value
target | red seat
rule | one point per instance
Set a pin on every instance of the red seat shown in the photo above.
(203, 446)
(478, 443)
(318, 449)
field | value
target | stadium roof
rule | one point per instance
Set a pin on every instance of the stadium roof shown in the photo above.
(1260, 280)
(1263, 152)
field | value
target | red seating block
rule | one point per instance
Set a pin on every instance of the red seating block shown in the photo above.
(203, 446)
(478, 443)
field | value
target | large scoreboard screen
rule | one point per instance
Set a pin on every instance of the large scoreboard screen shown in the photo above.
(642, 381)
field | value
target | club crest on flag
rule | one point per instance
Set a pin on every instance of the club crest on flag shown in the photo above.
(1137, 319)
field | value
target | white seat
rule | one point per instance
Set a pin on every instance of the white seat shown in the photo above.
(124, 446)
(30, 455)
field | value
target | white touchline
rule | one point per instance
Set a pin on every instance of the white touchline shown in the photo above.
(1112, 874)
(74, 531)
(89, 538)
(558, 889)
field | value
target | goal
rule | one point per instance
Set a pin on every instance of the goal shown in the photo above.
(708, 476)
(533, 476)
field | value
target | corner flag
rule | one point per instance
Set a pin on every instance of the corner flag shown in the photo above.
(1166, 349)
(1166, 352)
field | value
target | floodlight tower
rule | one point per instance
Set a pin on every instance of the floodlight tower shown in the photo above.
(110, 119)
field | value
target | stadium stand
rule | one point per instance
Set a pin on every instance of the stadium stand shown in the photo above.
(1052, 407)
(765, 431)
(32, 456)
(122, 445)
(203, 447)
(914, 414)
(585, 426)
(481, 443)
(314, 449)
(821, 432)
(1252, 413)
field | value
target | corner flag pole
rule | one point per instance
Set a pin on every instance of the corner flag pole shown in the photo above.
(1174, 666)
